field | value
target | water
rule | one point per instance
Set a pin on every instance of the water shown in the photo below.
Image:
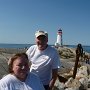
(86, 48)
(15, 45)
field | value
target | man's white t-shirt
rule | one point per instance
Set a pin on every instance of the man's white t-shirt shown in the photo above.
(43, 62)
(10, 82)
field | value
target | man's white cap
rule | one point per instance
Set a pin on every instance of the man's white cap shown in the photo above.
(39, 33)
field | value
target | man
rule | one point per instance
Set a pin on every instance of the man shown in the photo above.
(45, 60)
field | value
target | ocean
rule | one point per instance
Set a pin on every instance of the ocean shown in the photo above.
(85, 48)
(15, 45)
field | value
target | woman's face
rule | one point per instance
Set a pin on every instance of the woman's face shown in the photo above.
(21, 68)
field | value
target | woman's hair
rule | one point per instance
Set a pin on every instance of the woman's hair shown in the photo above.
(12, 59)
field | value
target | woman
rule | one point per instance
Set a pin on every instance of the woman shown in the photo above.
(19, 77)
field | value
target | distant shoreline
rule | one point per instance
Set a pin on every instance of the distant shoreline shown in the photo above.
(12, 50)
(26, 46)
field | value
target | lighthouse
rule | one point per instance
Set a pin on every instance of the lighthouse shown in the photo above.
(59, 38)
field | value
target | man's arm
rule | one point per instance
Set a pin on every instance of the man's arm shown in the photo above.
(54, 77)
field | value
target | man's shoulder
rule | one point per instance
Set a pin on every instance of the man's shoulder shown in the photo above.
(32, 47)
(52, 48)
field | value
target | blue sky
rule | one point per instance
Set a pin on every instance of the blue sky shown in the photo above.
(19, 19)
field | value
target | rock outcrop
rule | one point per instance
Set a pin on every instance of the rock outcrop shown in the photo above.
(65, 79)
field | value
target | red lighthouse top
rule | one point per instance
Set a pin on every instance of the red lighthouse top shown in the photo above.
(60, 32)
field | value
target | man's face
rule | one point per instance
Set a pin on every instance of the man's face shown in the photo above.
(41, 42)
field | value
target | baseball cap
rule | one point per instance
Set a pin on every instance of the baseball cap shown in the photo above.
(39, 33)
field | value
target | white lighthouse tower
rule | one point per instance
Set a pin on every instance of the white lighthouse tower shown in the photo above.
(59, 38)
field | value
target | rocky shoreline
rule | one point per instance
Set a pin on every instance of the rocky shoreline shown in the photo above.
(82, 79)
(67, 57)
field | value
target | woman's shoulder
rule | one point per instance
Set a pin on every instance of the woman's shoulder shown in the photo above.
(6, 79)
(34, 81)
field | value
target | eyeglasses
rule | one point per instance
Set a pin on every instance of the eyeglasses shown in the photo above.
(23, 66)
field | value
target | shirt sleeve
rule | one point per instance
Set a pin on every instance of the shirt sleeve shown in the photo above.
(31, 51)
(3, 86)
(56, 60)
